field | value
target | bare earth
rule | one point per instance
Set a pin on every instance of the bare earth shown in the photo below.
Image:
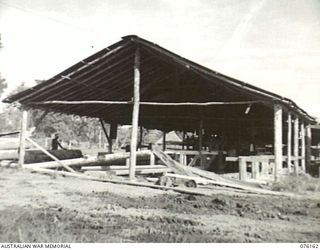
(40, 208)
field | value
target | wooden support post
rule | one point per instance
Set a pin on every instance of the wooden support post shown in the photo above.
(141, 137)
(100, 139)
(289, 142)
(202, 162)
(303, 147)
(182, 158)
(22, 145)
(308, 147)
(277, 140)
(255, 169)
(106, 134)
(183, 139)
(242, 169)
(152, 159)
(264, 168)
(296, 145)
(164, 141)
(135, 114)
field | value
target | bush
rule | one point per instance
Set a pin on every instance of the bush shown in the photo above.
(297, 184)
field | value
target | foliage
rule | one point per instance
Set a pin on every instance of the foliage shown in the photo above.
(3, 85)
(10, 117)
(297, 184)
(80, 131)
(70, 128)
(148, 136)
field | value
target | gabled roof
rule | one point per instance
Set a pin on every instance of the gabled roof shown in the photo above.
(165, 77)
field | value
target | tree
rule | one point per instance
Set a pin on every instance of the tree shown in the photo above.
(84, 130)
(3, 85)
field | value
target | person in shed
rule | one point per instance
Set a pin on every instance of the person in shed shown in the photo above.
(55, 144)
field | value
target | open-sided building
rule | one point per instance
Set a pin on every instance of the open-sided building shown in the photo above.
(137, 82)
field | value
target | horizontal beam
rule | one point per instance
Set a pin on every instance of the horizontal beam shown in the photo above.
(146, 103)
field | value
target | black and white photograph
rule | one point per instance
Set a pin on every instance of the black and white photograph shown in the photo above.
(159, 121)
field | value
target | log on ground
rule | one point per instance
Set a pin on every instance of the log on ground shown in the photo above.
(143, 158)
(36, 156)
(90, 161)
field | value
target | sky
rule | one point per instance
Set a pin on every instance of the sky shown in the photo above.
(272, 44)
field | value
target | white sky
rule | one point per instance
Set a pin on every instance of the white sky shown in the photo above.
(273, 44)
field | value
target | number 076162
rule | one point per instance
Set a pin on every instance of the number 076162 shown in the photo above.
(309, 245)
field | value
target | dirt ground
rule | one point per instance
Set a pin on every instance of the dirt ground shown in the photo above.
(41, 208)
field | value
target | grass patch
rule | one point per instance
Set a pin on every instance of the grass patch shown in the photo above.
(29, 225)
(297, 184)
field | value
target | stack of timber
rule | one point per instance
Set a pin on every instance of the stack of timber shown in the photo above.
(9, 154)
(36, 156)
(74, 163)
(205, 177)
(173, 165)
(9, 148)
(124, 170)
(106, 160)
(12, 143)
(122, 182)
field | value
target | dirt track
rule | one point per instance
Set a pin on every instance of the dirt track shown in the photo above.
(39, 208)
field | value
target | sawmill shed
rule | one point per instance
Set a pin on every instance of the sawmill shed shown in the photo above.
(136, 82)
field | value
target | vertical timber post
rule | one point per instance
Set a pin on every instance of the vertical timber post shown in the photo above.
(242, 168)
(200, 142)
(277, 140)
(109, 139)
(296, 145)
(308, 147)
(303, 147)
(164, 141)
(289, 142)
(22, 145)
(135, 114)
(183, 138)
(140, 137)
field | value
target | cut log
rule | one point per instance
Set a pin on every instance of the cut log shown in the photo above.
(138, 167)
(116, 167)
(142, 171)
(9, 154)
(35, 156)
(106, 159)
(49, 154)
(75, 163)
(143, 158)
